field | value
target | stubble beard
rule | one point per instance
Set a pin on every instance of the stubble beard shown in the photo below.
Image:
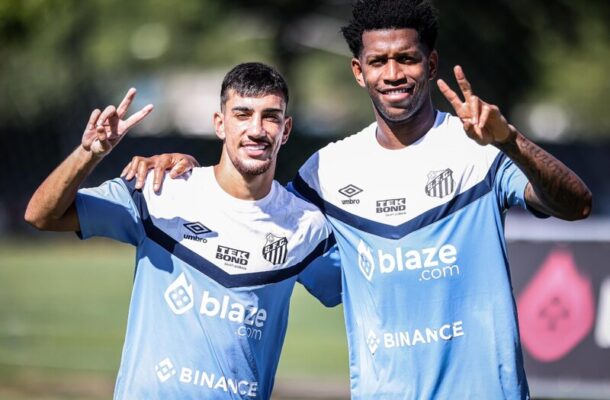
(411, 109)
(251, 167)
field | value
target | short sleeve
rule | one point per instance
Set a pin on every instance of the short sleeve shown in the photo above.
(109, 211)
(510, 186)
(322, 278)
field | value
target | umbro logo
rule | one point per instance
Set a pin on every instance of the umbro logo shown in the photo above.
(350, 191)
(440, 183)
(197, 228)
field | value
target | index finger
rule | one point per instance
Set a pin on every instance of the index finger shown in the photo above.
(127, 100)
(450, 95)
(463, 83)
(106, 114)
(137, 117)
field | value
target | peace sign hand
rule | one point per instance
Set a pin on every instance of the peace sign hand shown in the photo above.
(105, 129)
(483, 122)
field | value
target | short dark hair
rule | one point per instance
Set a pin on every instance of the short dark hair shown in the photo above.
(369, 15)
(253, 79)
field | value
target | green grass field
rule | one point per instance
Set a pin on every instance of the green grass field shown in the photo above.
(63, 308)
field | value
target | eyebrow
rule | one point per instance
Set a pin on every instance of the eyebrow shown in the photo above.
(248, 109)
(382, 54)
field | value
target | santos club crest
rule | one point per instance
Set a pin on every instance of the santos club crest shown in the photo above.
(276, 249)
(440, 183)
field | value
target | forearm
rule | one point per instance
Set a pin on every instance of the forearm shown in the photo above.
(51, 206)
(554, 188)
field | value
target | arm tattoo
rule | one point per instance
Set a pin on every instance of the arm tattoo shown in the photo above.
(554, 189)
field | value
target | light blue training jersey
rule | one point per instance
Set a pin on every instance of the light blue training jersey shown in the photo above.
(213, 279)
(427, 295)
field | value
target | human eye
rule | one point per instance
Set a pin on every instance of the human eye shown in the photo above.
(273, 118)
(376, 61)
(241, 115)
(406, 59)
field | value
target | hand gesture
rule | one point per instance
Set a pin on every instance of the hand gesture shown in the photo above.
(482, 121)
(177, 163)
(105, 129)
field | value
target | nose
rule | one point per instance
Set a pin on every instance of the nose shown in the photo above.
(256, 128)
(393, 72)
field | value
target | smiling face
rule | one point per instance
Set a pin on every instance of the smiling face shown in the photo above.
(253, 130)
(396, 69)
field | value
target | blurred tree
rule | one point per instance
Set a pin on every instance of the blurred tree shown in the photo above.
(573, 43)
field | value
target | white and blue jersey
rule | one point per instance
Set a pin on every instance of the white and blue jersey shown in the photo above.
(213, 279)
(427, 296)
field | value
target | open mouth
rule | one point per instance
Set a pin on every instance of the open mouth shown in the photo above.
(397, 94)
(255, 149)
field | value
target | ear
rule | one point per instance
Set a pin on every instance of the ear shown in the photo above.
(433, 64)
(219, 125)
(287, 129)
(357, 71)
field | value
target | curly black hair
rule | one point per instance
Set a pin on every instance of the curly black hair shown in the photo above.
(370, 15)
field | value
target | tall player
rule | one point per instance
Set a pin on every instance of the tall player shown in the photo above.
(218, 251)
(418, 210)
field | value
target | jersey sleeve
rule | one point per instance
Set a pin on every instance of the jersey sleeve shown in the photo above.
(322, 278)
(109, 211)
(510, 187)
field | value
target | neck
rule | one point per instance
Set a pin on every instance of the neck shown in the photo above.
(397, 135)
(240, 186)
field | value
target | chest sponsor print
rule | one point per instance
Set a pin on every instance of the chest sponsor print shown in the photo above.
(233, 257)
(390, 207)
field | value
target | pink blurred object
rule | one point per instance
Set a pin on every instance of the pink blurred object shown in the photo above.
(556, 309)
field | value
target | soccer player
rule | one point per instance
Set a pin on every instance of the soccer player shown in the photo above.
(218, 251)
(418, 210)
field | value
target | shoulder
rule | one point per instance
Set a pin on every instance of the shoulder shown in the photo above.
(356, 142)
(174, 192)
(306, 211)
(448, 133)
(337, 153)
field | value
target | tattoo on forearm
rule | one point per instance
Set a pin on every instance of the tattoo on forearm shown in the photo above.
(554, 187)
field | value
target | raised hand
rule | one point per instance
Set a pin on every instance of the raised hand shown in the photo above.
(105, 129)
(177, 164)
(483, 122)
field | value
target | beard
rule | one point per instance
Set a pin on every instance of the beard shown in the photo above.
(405, 112)
(251, 167)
